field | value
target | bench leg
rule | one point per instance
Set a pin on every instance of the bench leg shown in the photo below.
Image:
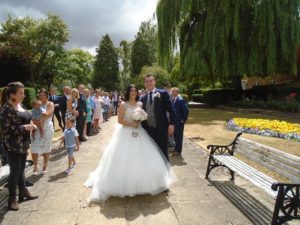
(289, 205)
(231, 173)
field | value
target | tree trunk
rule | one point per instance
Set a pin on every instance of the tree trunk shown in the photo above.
(236, 82)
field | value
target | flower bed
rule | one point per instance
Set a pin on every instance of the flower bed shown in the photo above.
(273, 128)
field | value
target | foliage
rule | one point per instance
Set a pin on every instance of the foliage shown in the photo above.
(124, 55)
(106, 66)
(40, 41)
(13, 67)
(217, 96)
(148, 33)
(140, 56)
(222, 40)
(271, 104)
(75, 68)
(161, 75)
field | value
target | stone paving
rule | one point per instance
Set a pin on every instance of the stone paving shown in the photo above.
(192, 200)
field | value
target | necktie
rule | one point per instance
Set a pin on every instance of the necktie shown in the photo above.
(150, 96)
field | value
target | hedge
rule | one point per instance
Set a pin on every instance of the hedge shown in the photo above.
(185, 97)
(30, 95)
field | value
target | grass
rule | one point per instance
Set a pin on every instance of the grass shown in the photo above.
(207, 126)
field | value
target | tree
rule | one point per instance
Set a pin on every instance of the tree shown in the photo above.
(106, 65)
(40, 41)
(76, 67)
(221, 40)
(148, 32)
(161, 75)
(124, 54)
(13, 68)
(140, 56)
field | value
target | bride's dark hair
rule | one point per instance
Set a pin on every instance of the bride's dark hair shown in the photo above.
(127, 94)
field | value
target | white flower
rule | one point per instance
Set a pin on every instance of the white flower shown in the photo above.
(139, 114)
(157, 95)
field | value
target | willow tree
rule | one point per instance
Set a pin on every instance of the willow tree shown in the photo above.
(221, 40)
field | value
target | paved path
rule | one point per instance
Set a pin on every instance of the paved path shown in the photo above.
(192, 199)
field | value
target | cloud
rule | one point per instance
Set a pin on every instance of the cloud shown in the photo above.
(88, 20)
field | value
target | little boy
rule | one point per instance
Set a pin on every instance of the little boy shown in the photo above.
(71, 140)
(36, 116)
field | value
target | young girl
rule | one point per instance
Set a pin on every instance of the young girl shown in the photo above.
(71, 140)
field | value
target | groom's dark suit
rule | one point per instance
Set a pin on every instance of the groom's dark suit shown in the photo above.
(162, 105)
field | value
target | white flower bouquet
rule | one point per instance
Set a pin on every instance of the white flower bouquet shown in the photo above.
(139, 114)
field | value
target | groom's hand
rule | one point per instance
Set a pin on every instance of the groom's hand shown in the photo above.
(171, 129)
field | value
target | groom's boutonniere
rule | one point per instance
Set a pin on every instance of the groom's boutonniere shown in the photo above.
(157, 95)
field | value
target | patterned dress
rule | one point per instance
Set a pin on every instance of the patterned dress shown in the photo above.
(40, 145)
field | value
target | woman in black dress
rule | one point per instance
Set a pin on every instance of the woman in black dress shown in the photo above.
(15, 127)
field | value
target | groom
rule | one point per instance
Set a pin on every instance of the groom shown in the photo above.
(157, 103)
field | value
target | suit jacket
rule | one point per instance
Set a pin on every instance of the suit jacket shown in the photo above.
(63, 104)
(162, 105)
(55, 99)
(181, 110)
(81, 105)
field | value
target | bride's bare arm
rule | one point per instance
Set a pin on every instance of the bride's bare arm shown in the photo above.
(121, 120)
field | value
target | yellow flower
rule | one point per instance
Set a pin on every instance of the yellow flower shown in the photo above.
(263, 124)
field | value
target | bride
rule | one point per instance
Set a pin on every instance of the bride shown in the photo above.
(132, 164)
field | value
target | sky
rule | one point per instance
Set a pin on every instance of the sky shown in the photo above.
(87, 20)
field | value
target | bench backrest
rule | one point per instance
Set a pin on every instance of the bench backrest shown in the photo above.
(282, 163)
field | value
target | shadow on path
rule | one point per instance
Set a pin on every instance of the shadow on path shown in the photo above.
(253, 209)
(57, 177)
(134, 206)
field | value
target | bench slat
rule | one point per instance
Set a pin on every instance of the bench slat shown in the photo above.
(278, 167)
(254, 176)
(236, 164)
(275, 151)
(267, 153)
(281, 165)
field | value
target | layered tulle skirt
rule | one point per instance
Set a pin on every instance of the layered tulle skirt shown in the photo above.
(132, 164)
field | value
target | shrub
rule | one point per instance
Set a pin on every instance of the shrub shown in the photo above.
(222, 96)
(197, 97)
(30, 95)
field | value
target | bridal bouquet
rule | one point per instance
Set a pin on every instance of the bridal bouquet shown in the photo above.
(138, 115)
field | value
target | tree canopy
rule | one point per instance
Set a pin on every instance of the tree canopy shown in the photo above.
(106, 73)
(39, 41)
(223, 39)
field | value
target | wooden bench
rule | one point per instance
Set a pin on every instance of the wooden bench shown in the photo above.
(287, 205)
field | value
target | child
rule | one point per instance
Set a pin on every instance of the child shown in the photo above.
(36, 114)
(71, 140)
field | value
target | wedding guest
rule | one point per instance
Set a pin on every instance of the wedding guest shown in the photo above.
(167, 87)
(89, 106)
(106, 101)
(63, 103)
(97, 116)
(42, 145)
(71, 141)
(56, 101)
(181, 115)
(115, 100)
(72, 103)
(82, 111)
(15, 124)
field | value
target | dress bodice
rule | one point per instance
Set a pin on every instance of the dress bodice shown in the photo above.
(44, 109)
(128, 111)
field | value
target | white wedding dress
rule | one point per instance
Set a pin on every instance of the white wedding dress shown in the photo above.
(132, 164)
